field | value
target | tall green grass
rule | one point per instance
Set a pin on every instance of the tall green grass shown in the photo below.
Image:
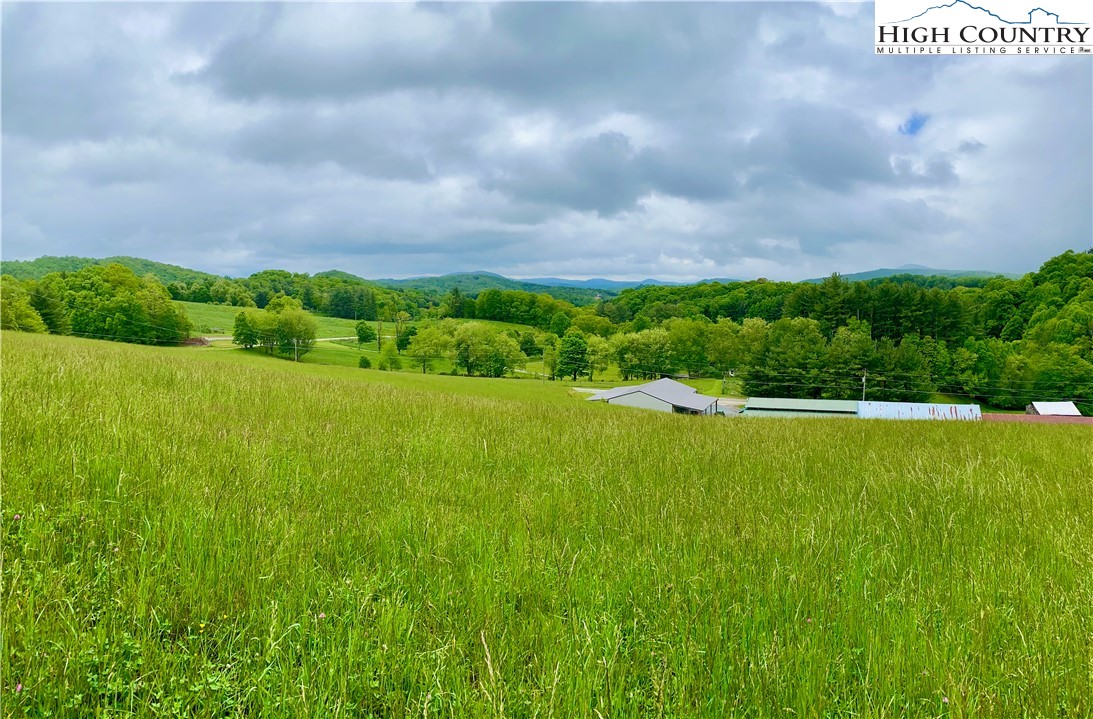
(208, 535)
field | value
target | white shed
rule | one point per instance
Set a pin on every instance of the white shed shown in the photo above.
(1057, 409)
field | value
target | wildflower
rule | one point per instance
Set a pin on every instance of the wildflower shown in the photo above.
(322, 615)
(17, 517)
(19, 686)
(223, 616)
(809, 620)
(944, 700)
(115, 550)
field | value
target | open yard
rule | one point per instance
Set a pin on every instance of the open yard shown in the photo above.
(212, 533)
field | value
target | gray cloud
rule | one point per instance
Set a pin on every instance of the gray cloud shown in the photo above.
(619, 139)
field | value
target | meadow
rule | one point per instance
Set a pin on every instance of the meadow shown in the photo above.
(220, 319)
(210, 533)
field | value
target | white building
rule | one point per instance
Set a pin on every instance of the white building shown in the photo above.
(1057, 409)
(664, 395)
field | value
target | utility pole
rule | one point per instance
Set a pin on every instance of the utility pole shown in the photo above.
(296, 349)
(865, 373)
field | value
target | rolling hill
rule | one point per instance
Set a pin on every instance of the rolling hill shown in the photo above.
(39, 268)
(598, 283)
(913, 270)
(241, 536)
(471, 283)
(579, 292)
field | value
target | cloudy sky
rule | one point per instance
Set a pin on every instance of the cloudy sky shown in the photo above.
(627, 140)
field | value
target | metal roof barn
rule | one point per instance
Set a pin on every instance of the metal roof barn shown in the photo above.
(1058, 409)
(780, 407)
(665, 395)
(918, 410)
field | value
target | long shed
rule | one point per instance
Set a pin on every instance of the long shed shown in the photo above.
(779, 407)
(918, 410)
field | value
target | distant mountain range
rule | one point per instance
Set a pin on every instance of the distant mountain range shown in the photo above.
(599, 283)
(914, 270)
(472, 283)
(579, 292)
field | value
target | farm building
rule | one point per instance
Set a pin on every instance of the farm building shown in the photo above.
(776, 407)
(665, 395)
(1053, 409)
(918, 410)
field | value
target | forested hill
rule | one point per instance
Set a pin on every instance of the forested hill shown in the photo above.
(39, 268)
(472, 283)
(998, 340)
(959, 276)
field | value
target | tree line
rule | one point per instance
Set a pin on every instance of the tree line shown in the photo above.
(1000, 340)
(98, 302)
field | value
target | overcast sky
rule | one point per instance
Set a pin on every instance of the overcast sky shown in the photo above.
(625, 140)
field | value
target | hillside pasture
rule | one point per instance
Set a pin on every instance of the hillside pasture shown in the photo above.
(212, 533)
(220, 320)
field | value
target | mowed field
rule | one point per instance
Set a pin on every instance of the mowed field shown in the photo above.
(209, 533)
(220, 320)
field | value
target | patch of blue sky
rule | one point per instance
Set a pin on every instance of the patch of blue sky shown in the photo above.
(914, 124)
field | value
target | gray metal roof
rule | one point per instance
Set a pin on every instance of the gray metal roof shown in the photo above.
(1066, 409)
(667, 390)
(782, 413)
(801, 405)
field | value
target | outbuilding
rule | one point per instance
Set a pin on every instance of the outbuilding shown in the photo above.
(664, 395)
(919, 410)
(1053, 409)
(780, 407)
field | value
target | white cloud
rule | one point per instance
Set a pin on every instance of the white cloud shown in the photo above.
(627, 140)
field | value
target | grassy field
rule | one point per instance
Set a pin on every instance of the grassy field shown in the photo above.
(212, 533)
(220, 319)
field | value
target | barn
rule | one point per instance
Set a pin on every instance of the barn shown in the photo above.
(664, 395)
(780, 407)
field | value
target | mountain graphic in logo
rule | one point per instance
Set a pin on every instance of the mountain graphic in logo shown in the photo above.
(1032, 17)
